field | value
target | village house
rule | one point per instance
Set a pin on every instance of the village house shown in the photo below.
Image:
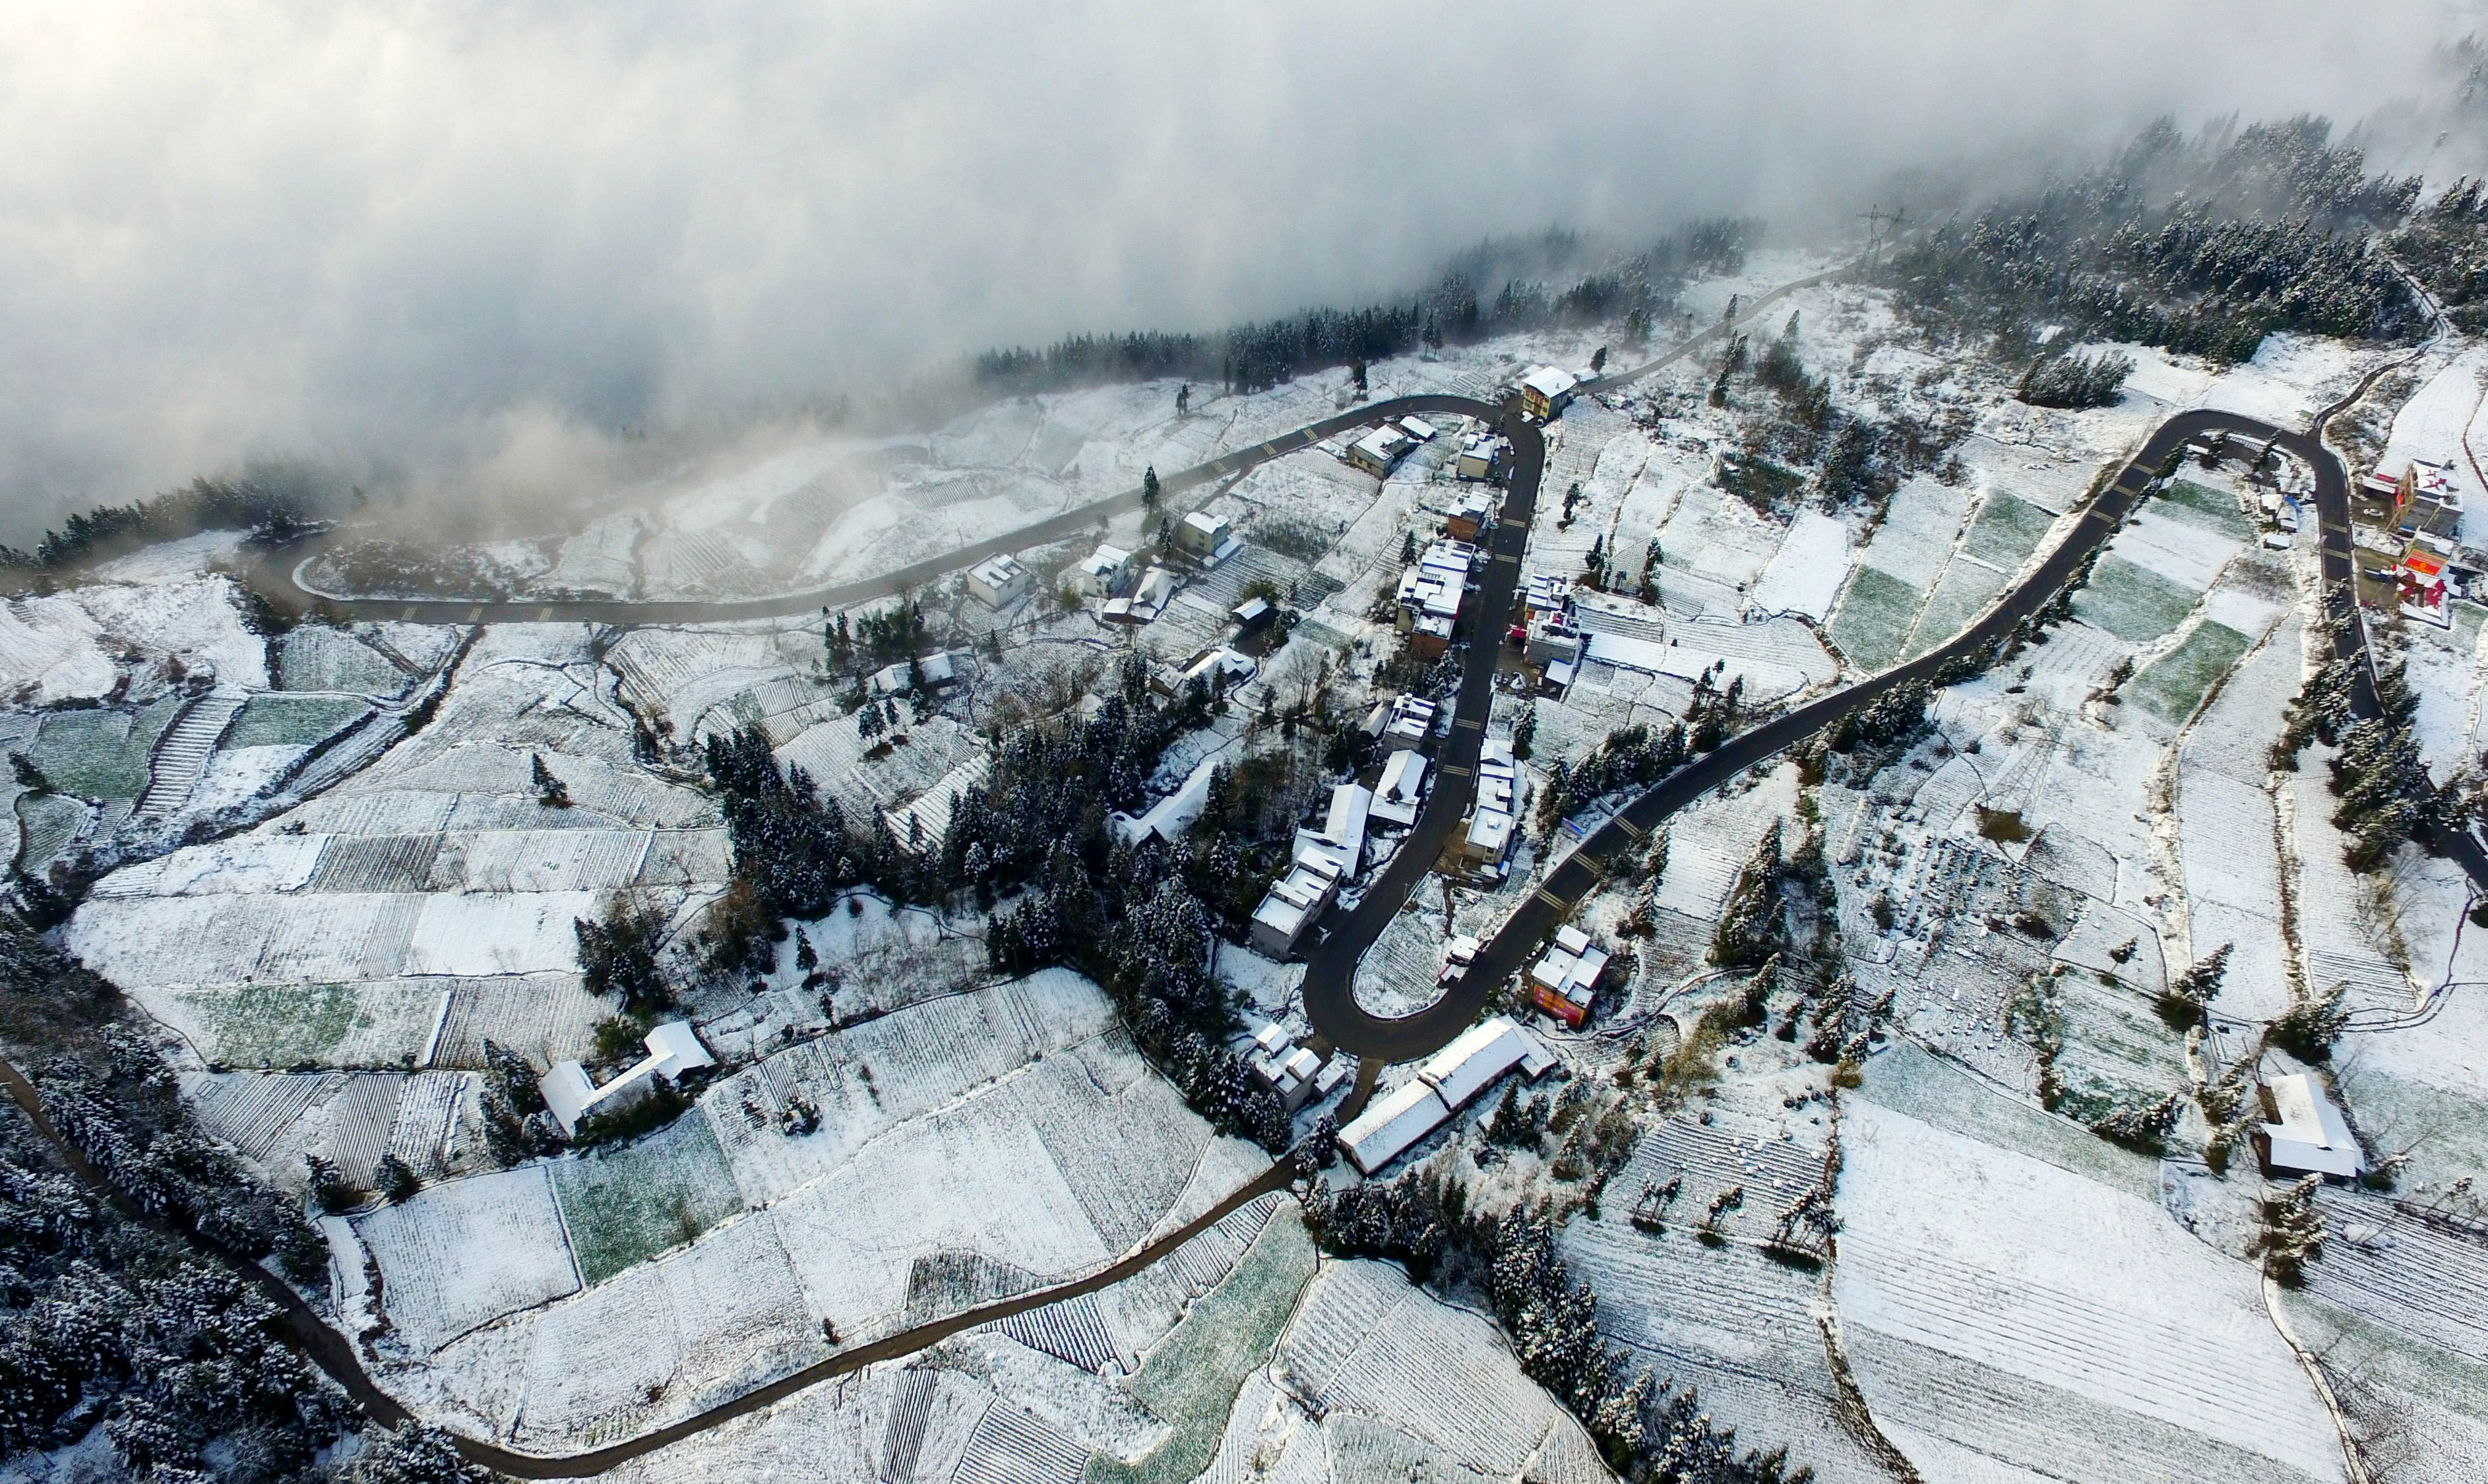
(571, 1096)
(999, 581)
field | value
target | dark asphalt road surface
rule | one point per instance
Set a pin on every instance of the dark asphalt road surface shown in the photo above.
(1329, 987)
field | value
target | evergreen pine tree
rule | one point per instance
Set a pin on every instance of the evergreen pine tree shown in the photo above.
(1150, 488)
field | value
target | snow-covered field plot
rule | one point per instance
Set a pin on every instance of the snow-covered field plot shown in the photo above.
(2002, 534)
(2345, 942)
(320, 656)
(281, 720)
(466, 1252)
(1908, 555)
(1803, 576)
(2423, 1411)
(1708, 843)
(351, 1119)
(2445, 673)
(64, 647)
(2291, 376)
(1006, 1405)
(1709, 535)
(2153, 573)
(690, 678)
(330, 935)
(1727, 1320)
(664, 1339)
(2012, 1309)
(1393, 1379)
(2227, 831)
(970, 1148)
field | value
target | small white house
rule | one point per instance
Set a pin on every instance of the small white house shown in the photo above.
(898, 679)
(673, 1048)
(1476, 458)
(1101, 571)
(2311, 1138)
(998, 582)
(1202, 534)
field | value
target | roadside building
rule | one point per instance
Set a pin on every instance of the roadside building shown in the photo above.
(1418, 430)
(2311, 1137)
(1545, 391)
(1156, 589)
(1377, 451)
(1565, 978)
(1477, 457)
(1453, 1079)
(1289, 909)
(1553, 639)
(1468, 520)
(1435, 586)
(999, 581)
(1546, 594)
(1325, 859)
(1410, 722)
(1401, 791)
(1251, 614)
(1101, 571)
(1202, 534)
(571, 1096)
(1293, 1072)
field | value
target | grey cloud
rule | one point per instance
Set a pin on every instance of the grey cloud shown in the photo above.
(410, 236)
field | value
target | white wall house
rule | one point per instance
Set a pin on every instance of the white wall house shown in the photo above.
(673, 1048)
(998, 582)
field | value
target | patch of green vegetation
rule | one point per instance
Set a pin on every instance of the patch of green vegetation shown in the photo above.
(2132, 602)
(2207, 509)
(628, 1203)
(280, 1024)
(280, 721)
(1189, 1381)
(1873, 619)
(2007, 530)
(101, 753)
(2173, 685)
(47, 824)
(1964, 594)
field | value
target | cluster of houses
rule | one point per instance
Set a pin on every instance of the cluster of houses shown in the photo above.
(2423, 509)
(1432, 592)
(1297, 1074)
(1328, 859)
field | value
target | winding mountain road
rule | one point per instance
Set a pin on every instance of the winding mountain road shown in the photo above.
(1330, 979)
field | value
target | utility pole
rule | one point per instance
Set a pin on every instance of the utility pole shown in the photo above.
(1873, 217)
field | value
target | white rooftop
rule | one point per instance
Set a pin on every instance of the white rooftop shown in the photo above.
(1549, 381)
(2311, 1136)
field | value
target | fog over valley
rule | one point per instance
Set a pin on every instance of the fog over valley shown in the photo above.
(461, 247)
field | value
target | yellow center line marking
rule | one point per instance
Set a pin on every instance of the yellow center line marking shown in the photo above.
(474, 613)
(1632, 828)
(1506, 556)
(1590, 863)
(1471, 724)
(405, 615)
(543, 613)
(1553, 901)
(1456, 769)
